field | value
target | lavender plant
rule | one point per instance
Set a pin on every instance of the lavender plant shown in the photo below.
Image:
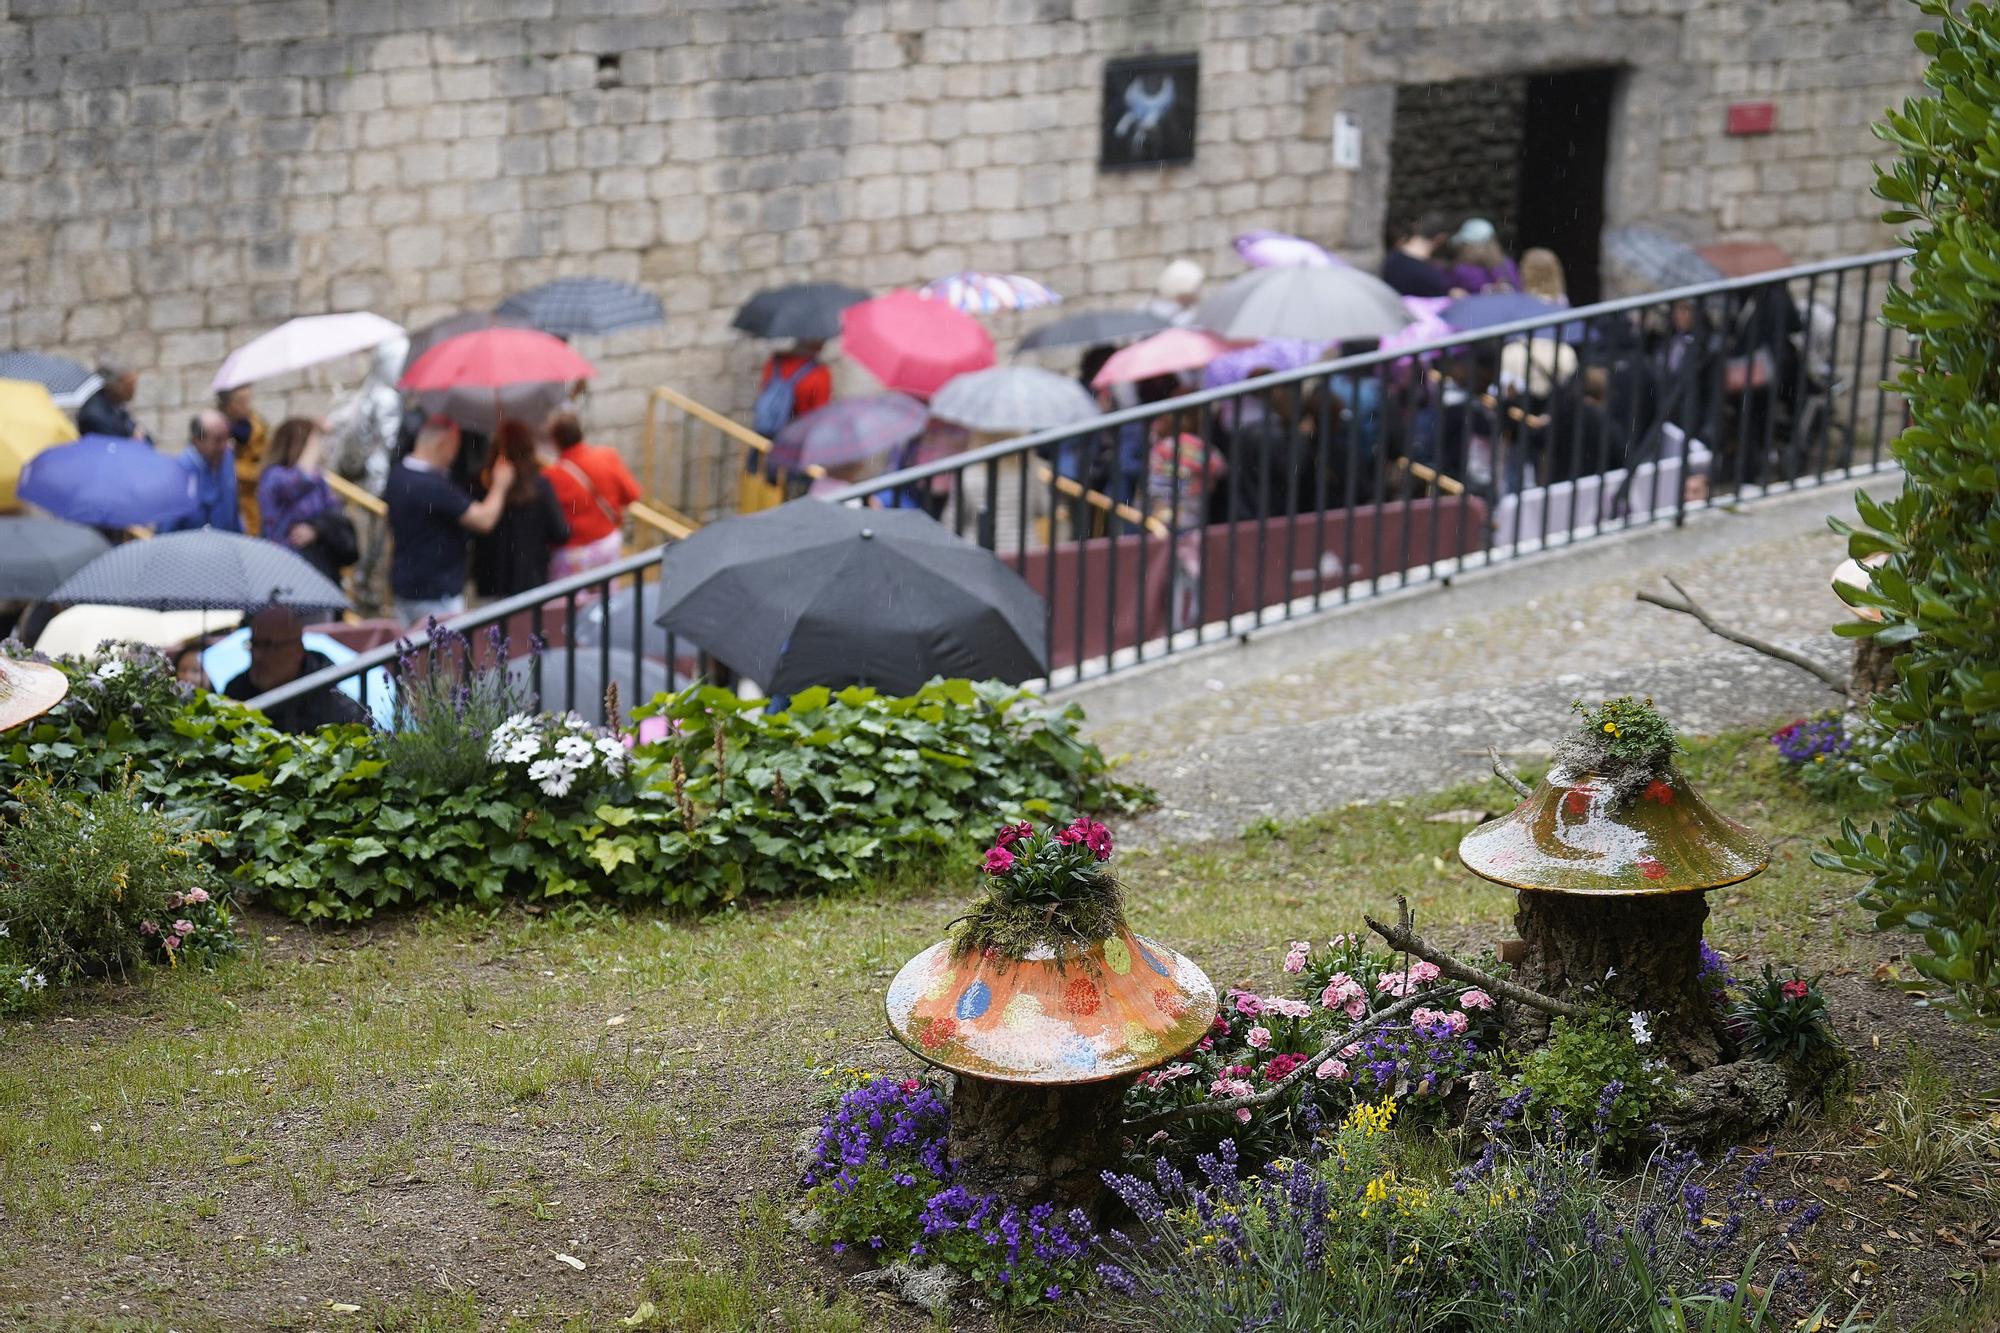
(447, 708)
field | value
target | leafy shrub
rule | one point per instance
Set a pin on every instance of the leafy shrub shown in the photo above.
(1593, 1071)
(447, 711)
(1935, 867)
(1784, 1018)
(93, 882)
(880, 1180)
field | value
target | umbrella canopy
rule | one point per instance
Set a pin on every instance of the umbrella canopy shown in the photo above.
(199, 570)
(36, 554)
(1493, 308)
(1009, 400)
(30, 422)
(849, 430)
(494, 359)
(817, 594)
(1656, 258)
(79, 629)
(109, 483)
(70, 383)
(1426, 323)
(1314, 304)
(1275, 249)
(299, 343)
(1273, 354)
(1167, 353)
(556, 696)
(800, 310)
(229, 657)
(614, 618)
(914, 345)
(1089, 328)
(27, 690)
(484, 409)
(572, 307)
(451, 326)
(1733, 259)
(983, 293)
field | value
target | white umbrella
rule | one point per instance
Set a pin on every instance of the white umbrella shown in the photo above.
(306, 341)
(78, 630)
(1308, 304)
(1006, 400)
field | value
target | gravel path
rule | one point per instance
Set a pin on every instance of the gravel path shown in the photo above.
(1405, 697)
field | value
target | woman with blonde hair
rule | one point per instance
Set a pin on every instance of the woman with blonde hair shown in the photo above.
(1542, 275)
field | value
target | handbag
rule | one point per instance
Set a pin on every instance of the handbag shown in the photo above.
(1747, 372)
(611, 515)
(334, 539)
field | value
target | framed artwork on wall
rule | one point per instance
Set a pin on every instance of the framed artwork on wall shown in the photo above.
(1149, 111)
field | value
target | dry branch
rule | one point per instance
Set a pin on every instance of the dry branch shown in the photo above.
(1403, 936)
(1687, 605)
(1501, 772)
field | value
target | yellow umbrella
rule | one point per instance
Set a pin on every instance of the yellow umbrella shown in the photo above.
(30, 422)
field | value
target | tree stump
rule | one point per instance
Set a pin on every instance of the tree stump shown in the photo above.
(1641, 951)
(1874, 668)
(1030, 1142)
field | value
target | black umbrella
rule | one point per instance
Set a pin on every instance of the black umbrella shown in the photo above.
(202, 571)
(69, 382)
(36, 554)
(1088, 328)
(588, 307)
(816, 594)
(802, 310)
(556, 696)
(467, 321)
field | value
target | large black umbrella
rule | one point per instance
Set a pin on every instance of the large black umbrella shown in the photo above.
(202, 571)
(1088, 328)
(36, 554)
(801, 310)
(816, 594)
(588, 307)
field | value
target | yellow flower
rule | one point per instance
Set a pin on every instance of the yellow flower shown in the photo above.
(1611, 727)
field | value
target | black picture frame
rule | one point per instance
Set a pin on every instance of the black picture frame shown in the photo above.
(1149, 109)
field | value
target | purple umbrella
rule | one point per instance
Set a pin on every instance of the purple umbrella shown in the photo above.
(1276, 249)
(848, 431)
(1264, 358)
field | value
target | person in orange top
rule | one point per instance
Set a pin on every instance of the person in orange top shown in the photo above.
(593, 486)
(811, 383)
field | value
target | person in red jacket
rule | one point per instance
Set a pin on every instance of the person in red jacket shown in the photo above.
(593, 486)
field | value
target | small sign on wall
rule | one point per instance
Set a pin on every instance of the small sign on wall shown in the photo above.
(1149, 110)
(1346, 141)
(1752, 117)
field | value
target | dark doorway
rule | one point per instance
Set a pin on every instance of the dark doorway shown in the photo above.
(1565, 123)
(1527, 152)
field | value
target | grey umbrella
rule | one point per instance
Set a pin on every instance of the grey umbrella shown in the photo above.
(586, 307)
(614, 618)
(482, 409)
(801, 310)
(1308, 304)
(1007, 400)
(69, 382)
(1088, 328)
(202, 571)
(1656, 258)
(556, 696)
(816, 594)
(37, 554)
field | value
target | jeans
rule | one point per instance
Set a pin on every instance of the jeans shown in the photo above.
(418, 611)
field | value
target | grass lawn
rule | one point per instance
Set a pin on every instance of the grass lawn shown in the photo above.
(555, 1121)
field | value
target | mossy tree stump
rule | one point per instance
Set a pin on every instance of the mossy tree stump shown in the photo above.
(1033, 1143)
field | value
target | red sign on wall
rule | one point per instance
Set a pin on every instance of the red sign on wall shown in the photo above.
(1752, 117)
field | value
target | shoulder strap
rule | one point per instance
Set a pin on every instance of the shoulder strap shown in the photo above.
(590, 489)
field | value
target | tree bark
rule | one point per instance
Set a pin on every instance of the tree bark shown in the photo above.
(1874, 668)
(1032, 1143)
(1640, 951)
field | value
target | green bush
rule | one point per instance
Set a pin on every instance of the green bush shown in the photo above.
(1593, 1072)
(94, 882)
(1935, 867)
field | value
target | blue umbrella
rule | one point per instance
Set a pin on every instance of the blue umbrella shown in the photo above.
(1492, 309)
(229, 657)
(108, 483)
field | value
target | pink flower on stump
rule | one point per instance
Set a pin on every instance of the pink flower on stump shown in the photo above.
(1010, 834)
(998, 861)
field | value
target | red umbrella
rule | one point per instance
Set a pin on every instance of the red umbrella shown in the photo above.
(496, 358)
(914, 345)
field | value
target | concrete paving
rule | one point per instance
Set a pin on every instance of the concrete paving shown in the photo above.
(1403, 694)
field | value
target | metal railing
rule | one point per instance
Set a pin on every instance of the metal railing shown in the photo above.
(1223, 510)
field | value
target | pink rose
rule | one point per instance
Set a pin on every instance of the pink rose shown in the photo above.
(1010, 834)
(1295, 957)
(1242, 1115)
(1423, 973)
(1332, 1069)
(183, 927)
(171, 941)
(1391, 983)
(1246, 1004)
(197, 895)
(1259, 1038)
(1356, 1007)
(1459, 1022)
(1425, 1018)
(998, 861)
(1476, 999)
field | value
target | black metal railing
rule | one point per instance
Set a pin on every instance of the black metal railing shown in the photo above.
(1205, 515)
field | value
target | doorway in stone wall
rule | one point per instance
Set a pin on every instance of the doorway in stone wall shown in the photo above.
(1528, 152)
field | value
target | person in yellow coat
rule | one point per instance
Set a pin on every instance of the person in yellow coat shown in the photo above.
(250, 434)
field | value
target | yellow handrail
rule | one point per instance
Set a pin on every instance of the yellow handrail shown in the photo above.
(1099, 500)
(735, 430)
(697, 472)
(354, 495)
(1431, 476)
(677, 527)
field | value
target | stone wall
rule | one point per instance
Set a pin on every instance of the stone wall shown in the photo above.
(177, 178)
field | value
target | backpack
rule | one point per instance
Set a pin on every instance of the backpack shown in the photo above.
(776, 400)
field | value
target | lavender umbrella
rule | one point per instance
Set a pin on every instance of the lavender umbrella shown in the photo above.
(848, 431)
(1273, 354)
(1276, 249)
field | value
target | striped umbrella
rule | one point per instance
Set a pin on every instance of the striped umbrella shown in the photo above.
(69, 382)
(570, 307)
(983, 293)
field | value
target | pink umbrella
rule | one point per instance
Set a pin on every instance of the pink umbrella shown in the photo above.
(1166, 353)
(913, 345)
(1276, 249)
(1428, 312)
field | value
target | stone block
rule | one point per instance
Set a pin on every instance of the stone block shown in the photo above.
(416, 248)
(412, 87)
(196, 348)
(683, 218)
(53, 38)
(474, 160)
(283, 20)
(583, 229)
(521, 156)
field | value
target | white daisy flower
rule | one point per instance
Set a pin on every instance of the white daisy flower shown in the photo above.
(1641, 1034)
(523, 750)
(544, 769)
(571, 747)
(558, 783)
(111, 670)
(4, 932)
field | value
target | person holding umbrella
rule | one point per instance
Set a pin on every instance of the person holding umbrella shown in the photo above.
(109, 410)
(432, 520)
(211, 460)
(278, 656)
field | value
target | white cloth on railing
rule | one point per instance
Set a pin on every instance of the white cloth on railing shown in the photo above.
(1571, 508)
